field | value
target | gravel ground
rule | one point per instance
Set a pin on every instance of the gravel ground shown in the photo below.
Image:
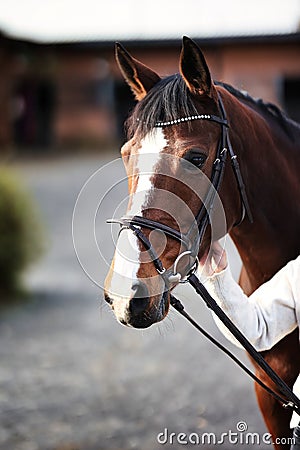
(71, 378)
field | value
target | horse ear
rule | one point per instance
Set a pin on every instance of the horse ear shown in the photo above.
(193, 68)
(138, 76)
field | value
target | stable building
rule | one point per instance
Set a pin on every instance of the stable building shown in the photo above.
(72, 94)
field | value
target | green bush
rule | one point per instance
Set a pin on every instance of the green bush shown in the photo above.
(20, 233)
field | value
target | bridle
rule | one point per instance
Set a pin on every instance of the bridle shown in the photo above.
(135, 223)
(191, 240)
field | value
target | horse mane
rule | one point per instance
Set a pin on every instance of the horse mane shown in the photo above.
(268, 108)
(170, 99)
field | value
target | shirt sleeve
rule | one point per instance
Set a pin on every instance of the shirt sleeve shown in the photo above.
(264, 317)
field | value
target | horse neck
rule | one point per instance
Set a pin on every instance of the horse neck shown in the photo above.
(270, 165)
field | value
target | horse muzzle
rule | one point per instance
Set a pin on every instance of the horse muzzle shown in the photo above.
(140, 310)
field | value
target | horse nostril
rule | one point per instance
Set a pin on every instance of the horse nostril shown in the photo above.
(140, 289)
(108, 299)
(140, 299)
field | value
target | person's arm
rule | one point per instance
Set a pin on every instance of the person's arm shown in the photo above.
(266, 316)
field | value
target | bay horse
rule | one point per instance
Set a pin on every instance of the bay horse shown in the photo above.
(266, 143)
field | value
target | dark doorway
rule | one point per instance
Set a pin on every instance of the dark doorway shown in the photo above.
(124, 103)
(291, 97)
(34, 107)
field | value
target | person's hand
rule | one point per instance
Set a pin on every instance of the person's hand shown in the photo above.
(216, 260)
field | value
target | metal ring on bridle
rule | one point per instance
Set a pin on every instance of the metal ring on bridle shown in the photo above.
(177, 277)
(191, 271)
(181, 255)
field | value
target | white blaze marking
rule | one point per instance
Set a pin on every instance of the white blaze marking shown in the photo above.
(126, 264)
(147, 159)
(126, 259)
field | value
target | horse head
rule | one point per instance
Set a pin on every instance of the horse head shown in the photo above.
(169, 160)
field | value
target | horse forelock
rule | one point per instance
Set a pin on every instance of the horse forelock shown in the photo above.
(167, 100)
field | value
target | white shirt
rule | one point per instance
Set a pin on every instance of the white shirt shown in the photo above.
(266, 316)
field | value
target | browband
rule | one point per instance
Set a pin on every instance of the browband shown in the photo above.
(210, 117)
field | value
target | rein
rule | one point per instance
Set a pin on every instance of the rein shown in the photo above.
(291, 401)
(192, 245)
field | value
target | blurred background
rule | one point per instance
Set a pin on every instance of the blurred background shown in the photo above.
(71, 378)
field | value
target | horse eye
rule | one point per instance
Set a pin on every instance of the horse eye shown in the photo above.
(197, 159)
